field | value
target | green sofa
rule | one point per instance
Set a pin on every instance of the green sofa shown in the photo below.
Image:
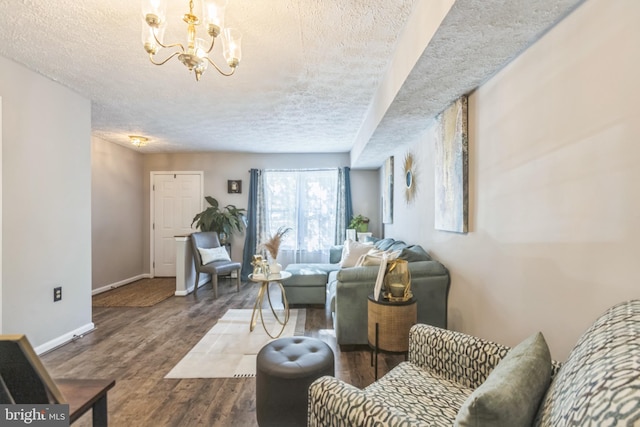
(346, 289)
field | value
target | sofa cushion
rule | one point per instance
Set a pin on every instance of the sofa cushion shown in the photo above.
(307, 275)
(335, 254)
(414, 253)
(352, 251)
(384, 244)
(398, 245)
(511, 394)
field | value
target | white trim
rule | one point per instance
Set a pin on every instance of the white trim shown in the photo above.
(0, 214)
(120, 283)
(64, 339)
(152, 175)
(204, 278)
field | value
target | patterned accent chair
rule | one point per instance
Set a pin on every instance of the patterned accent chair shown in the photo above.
(598, 385)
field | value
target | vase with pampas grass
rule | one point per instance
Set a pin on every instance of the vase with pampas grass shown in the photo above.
(272, 246)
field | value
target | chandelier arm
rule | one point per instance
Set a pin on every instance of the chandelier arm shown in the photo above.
(233, 69)
(163, 62)
(168, 45)
(213, 41)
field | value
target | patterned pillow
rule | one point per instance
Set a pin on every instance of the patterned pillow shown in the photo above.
(511, 394)
(213, 254)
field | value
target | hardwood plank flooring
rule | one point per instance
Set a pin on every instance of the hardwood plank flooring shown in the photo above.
(137, 346)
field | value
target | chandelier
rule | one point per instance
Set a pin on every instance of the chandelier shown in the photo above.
(195, 55)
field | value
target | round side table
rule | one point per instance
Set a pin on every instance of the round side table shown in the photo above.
(388, 326)
(264, 289)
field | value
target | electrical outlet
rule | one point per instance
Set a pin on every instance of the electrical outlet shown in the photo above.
(57, 294)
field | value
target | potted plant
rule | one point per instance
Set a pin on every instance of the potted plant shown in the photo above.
(223, 220)
(360, 223)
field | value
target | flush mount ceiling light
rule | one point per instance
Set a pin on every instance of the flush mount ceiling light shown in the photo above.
(138, 141)
(195, 56)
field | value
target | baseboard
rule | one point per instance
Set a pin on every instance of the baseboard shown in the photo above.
(120, 283)
(64, 339)
(204, 278)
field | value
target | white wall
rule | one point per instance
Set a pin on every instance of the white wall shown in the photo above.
(554, 205)
(46, 207)
(117, 220)
(220, 167)
(365, 197)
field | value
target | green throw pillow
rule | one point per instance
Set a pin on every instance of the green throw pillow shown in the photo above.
(511, 394)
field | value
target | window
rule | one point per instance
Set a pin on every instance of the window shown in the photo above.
(306, 201)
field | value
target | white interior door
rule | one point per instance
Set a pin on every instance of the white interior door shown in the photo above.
(177, 198)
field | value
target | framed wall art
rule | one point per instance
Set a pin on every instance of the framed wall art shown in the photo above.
(410, 178)
(452, 168)
(234, 186)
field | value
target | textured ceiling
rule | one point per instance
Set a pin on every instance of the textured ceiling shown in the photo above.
(309, 71)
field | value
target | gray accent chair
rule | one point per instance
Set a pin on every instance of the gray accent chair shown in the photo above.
(209, 239)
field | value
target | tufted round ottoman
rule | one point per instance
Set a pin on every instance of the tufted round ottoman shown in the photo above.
(285, 368)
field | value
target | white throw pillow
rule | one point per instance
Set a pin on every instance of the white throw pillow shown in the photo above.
(352, 251)
(213, 254)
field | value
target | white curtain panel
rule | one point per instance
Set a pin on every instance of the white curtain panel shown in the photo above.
(307, 201)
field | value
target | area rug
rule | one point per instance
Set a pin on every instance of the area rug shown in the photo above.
(141, 293)
(229, 349)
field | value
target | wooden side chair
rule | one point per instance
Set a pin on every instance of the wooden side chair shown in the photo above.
(216, 261)
(25, 380)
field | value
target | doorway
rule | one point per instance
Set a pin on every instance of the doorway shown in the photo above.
(176, 197)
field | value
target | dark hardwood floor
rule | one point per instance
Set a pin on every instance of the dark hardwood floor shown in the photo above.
(138, 346)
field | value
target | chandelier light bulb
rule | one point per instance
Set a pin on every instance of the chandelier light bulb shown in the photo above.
(213, 13)
(154, 12)
(232, 46)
